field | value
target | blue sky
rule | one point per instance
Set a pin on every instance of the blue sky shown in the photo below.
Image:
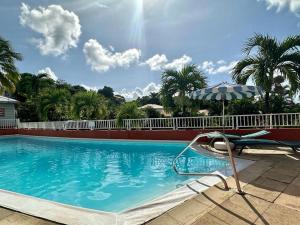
(126, 44)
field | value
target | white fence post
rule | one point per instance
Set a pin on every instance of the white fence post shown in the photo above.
(109, 124)
(128, 121)
(150, 124)
(175, 123)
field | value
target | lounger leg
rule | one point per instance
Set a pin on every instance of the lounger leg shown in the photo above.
(210, 143)
(241, 150)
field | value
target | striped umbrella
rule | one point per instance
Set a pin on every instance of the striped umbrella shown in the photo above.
(225, 91)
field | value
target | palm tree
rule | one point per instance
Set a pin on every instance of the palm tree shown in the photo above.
(129, 110)
(89, 105)
(54, 104)
(9, 75)
(270, 59)
(181, 83)
(41, 81)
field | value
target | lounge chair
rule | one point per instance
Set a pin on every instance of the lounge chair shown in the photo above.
(242, 143)
(236, 136)
(215, 135)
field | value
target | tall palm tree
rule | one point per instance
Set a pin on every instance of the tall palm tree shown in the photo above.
(9, 75)
(179, 84)
(267, 58)
(89, 105)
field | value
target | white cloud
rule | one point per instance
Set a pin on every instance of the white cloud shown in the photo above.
(60, 29)
(100, 5)
(177, 64)
(50, 73)
(293, 5)
(220, 67)
(101, 59)
(157, 62)
(139, 92)
(89, 88)
(160, 62)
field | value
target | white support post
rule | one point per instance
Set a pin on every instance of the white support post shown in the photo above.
(174, 123)
(271, 121)
(109, 125)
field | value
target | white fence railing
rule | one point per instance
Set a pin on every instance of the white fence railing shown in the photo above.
(203, 122)
(8, 124)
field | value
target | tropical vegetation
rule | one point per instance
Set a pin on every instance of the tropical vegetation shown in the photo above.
(268, 63)
(177, 85)
(9, 75)
(129, 110)
(268, 60)
(89, 105)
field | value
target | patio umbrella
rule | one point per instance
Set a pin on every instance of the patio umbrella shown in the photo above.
(226, 92)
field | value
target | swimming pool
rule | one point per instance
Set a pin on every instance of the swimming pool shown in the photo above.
(96, 174)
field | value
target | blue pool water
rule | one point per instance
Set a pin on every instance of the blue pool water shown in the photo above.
(103, 175)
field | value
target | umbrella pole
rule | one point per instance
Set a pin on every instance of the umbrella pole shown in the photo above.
(223, 118)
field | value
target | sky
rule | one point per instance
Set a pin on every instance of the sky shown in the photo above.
(126, 44)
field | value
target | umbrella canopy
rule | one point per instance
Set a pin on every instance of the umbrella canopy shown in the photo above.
(225, 91)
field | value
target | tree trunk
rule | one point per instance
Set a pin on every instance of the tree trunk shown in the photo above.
(267, 102)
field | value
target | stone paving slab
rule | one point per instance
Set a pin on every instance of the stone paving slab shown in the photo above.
(4, 213)
(297, 180)
(21, 219)
(290, 197)
(276, 174)
(188, 212)
(209, 219)
(213, 196)
(265, 188)
(240, 209)
(164, 219)
(279, 215)
(289, 165)
(9, 217)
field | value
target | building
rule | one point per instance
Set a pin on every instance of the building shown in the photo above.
(7, 108)
(203, 112)
(158, 108)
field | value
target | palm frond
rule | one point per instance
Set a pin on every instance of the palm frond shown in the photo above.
(242, 65)
(289, 44)
(263, 42)
(9, 73)
(293, 58)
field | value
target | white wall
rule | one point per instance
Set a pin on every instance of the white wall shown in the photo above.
(9, 111)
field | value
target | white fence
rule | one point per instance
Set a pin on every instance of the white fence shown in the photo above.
(8, 124)
(203, 122)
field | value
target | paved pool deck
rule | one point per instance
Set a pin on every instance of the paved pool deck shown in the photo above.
(8, 217)
(272, 196)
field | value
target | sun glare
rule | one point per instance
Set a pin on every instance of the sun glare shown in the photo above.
(137, 24)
